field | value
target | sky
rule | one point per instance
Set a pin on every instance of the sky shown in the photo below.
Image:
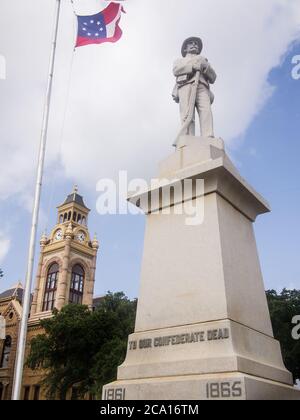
(112, 110)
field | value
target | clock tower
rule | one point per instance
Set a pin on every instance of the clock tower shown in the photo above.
(67, 264)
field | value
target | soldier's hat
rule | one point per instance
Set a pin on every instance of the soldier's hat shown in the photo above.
(191, 39)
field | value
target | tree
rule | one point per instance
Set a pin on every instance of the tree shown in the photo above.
(283, 307)
(83, 348)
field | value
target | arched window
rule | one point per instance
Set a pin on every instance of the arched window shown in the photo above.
(79, 219)
(50, 290)
(84, 221)
(65, 217)
(61, 218)
(74, 216)
(77, 283)
(6, 352)
(69, 216)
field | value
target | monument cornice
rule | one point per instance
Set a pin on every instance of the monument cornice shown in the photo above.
(220, 177)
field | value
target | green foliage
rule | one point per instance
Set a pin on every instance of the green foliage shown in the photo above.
(83, 348)
(283, 307)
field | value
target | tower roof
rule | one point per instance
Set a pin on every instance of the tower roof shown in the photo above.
(14, 292)
(74, 197)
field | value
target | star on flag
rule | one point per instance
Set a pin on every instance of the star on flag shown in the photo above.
(100, 28)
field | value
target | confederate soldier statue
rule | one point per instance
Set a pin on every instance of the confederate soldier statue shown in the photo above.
(194, 75)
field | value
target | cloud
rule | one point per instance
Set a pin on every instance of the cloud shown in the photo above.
(4, 246)
(119, 112)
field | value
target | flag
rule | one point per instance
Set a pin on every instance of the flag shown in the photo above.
(102, 27)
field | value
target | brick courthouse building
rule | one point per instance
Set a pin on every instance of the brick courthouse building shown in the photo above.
(65, 274)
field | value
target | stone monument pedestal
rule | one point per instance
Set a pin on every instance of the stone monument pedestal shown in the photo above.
(203, 328)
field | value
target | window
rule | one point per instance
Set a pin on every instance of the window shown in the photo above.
(6, 352)
(50, 291)
(36, 394)
(77, 281)
(26, 393)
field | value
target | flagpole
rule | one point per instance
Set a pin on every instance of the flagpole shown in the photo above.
(20, 354)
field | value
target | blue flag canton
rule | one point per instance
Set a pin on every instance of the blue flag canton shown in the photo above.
(92, 26)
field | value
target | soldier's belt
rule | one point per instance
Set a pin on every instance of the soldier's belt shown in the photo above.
(184, 78)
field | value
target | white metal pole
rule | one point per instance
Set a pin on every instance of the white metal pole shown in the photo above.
(20, 355)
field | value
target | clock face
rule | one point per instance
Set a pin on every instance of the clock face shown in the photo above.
(81, 237)
(58, 235)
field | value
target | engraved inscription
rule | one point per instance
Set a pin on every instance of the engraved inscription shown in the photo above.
(222, 390)
(180, 339)
(114, 394)
(132, 345)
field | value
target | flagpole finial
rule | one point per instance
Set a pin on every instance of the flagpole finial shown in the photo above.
(75, 189)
